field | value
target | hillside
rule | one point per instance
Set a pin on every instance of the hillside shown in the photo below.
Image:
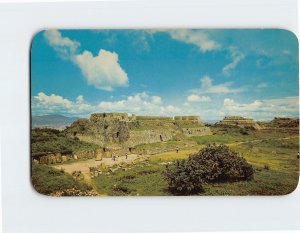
(52, 121)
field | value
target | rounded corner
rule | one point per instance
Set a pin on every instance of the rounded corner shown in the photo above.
(34, 36)
(291, 33)
(37, 192)
(294, 189)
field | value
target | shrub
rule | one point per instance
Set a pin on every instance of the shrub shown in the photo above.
(210, 164)
(266, 166)
(183, 178)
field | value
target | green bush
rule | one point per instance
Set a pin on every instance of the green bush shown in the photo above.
(211, 164)
(183, 177)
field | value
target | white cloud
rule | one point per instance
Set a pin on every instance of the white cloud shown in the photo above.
(208, 87)
(140, 103)
(197, 98)
(262, 85)
(141, 40)
(196, 37)
(52, 100)
(102, 71)
(236, 56)
(65, 47)
(79, 99)
(172, 109)
(46, 104)
(261, 109)
(156, 100)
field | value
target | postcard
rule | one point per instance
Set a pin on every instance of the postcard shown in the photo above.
(164, 112)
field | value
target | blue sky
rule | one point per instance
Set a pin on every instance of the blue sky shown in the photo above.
(211, 73)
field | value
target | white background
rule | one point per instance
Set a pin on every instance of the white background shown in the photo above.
(25, 211)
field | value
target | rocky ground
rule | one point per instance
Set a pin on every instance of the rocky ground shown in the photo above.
(84, 166)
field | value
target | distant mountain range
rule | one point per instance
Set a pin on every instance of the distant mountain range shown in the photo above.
(52, 121)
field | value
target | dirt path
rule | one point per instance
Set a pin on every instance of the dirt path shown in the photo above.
(84, 166)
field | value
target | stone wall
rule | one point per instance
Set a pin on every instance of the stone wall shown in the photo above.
(200, 131)
(154, 118)
(187, 118)
(52, 158)
(95, 117)
(149, 136)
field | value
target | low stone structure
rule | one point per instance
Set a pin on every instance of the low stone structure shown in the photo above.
(52, 158)
(239, 121)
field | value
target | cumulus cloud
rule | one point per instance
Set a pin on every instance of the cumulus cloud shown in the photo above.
(47, 104)
(208, 87)
(52, 100)
(197, 98)
(102, 71)
(236, 56)
(64, 46)
(140, 103)
(260, 109)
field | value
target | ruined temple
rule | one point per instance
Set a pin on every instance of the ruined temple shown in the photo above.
(121, 132)
(239, 121)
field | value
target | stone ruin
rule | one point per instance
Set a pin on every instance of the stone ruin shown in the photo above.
(284, 122)
(121, 133)
(239, 121)
(53, 158)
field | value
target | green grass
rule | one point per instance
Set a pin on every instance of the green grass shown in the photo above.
(273, 155)
(224, 139)
(139, 180)
(265, 182)
(275, 163)
(148, 181)
(170, 144)
(227, 135)
(47, 180)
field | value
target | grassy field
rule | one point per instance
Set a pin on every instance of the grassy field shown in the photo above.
(272, 155)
